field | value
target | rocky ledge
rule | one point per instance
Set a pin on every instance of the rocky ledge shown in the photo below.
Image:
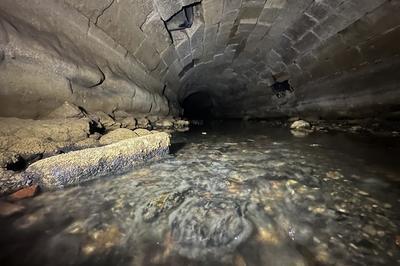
(378, 127)
(82, 145)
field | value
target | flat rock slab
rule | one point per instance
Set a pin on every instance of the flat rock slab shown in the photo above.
(80, 166)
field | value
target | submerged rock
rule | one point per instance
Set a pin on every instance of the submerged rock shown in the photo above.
(10, 181)
(300, 128)
(80, 166)
(162, 204)
(24, 193)
(204, 229)
(8, 209)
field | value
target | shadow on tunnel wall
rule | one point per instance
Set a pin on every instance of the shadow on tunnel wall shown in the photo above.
(198, 105)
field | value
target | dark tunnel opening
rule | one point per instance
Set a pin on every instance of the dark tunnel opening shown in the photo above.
(198, 105)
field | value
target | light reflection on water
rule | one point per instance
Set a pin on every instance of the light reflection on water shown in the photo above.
(244, 194)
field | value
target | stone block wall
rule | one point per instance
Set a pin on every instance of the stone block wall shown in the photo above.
(110, 54)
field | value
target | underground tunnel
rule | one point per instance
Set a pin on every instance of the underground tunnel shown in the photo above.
(199, 132)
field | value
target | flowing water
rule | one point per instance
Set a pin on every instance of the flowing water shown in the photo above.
(229, 194)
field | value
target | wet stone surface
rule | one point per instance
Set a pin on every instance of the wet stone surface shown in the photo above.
(242, 194)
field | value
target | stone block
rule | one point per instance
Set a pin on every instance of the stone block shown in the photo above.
(306, 60)
(210, 36)
(268, 15)
(91, 9)
(182, 43)
(246, 26)
(230, 5)
(168, 8)
(318, 10)
(230, 17)
(355, 9)
(289, 56)
(169, 55)
(330, 26)
(160, 70)
(187, 60)
(148, 55)
(275, 3)
(156, 32)
(212, 11)
(251, 12)
(197, 53)
(308, 41)
(130, 36)
(300, 27)
(195, 34)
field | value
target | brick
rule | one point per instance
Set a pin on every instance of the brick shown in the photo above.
(187, 60)
(212, 11)
(307, 42)
(246, 26)
(230, 17)
(355, 9)
(169, 55)
(210, 36)
(147, 55)
(306, 60)
(252, 12)
(197, 53)
(160, 70)
(318, 10)
(268, 15)
(289, 55)
(230, 5)
(332, 25)
(275, 3)
(195, 34)
(156, 31)
(182, 43)
(300, 27)
(167, 8)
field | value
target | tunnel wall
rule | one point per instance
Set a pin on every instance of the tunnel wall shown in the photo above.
(51, 52)
(340, 56)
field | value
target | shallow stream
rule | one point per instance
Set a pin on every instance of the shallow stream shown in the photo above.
(229, 194)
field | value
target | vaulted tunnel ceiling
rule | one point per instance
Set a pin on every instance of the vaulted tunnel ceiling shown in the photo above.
(253, 58)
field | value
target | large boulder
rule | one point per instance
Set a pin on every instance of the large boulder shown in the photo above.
(180, 123)
(165, 123)
(142, 132)
(300, 125)
(128, 122)
(80, 166)
(117, 135)
(105, 120)
(39, 138)
(67, 110)
(143, 123)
